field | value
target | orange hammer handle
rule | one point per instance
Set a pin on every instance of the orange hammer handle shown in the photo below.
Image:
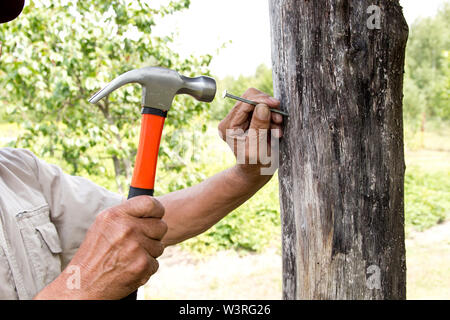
(152, 124)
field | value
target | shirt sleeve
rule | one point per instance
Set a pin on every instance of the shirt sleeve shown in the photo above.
(74, 204)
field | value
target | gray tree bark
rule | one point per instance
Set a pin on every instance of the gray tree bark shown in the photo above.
(341, 173)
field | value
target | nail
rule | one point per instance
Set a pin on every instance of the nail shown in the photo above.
(231, 96)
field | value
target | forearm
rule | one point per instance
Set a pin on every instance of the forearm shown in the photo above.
(191, 211)
(59, 290)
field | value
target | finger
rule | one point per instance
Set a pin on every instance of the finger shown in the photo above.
(277, 118)
(238, 117)
(145, 267)
(154, 248)
(242, 115)
(153, 266)
(270, 101)
(243, 107)
(261, 97)
(257, 136)
(142, 207)
(261, 117)
(153, 228)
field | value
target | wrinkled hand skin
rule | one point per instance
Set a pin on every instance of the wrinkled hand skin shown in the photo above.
(118, 254)
(246, 116)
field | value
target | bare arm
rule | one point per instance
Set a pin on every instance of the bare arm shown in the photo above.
(191, 211)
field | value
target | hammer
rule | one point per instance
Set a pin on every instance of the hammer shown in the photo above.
(159, 87)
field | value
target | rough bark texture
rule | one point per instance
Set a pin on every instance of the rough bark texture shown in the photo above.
(341, 162)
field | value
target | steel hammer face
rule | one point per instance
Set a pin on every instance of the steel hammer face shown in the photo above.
(159, 87)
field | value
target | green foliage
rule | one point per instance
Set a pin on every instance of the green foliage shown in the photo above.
(186, 156)
(414, 102)
(444, 95)
(58, 53)
(427, 68)
(427, 198)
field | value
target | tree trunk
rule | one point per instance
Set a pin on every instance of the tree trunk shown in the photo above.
(339, 74)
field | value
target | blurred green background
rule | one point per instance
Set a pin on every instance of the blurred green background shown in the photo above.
(47, 74)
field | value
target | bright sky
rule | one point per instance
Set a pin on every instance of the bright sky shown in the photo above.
(210, 23)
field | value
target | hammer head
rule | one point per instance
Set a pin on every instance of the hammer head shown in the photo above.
(160, 86)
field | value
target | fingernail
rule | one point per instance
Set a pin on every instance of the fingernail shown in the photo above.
(262, 112)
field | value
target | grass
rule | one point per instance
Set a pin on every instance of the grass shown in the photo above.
(427, 198)
(427, 178)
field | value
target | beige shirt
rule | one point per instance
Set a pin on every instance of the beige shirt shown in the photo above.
(44, 216)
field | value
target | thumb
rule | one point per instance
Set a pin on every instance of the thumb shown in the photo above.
(142, 207)
(257, 133)
(261, 117)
